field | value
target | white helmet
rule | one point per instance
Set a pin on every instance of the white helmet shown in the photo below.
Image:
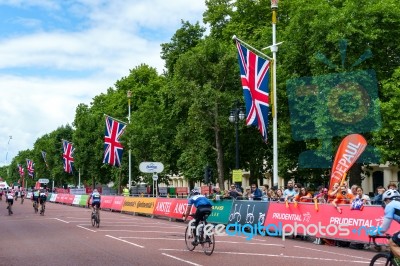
(95, 190)
(389, 194)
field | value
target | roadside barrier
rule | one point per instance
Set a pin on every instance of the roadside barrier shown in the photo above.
(272, 215)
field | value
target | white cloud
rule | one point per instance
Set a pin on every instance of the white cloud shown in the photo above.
(38, 89)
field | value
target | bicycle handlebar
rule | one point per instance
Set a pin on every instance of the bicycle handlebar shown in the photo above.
(374, 237)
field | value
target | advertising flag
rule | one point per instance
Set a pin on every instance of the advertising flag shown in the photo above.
(347, 154)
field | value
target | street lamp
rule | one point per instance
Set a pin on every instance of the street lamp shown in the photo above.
(237, 115)
(129, 95)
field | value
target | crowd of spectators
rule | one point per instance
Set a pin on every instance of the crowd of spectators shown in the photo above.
(296, 192)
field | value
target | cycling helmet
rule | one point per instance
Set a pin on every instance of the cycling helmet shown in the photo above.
(95, 190)
(390, 194)
(194, 192)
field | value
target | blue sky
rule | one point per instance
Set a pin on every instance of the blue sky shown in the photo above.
(56, 54)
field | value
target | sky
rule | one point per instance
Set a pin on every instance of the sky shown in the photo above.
(57, 54)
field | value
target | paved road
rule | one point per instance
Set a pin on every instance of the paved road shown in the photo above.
(64, 236)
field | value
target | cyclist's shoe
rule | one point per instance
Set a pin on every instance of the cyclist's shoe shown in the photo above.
(195, 242)
(8, 207)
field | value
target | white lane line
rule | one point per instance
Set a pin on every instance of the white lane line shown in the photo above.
(125, 241)
(250, 243)
(330, 252)
(275, 255)
(61, 220)
(189, 262)
(132, 231)
(86, 228)
(152, 238)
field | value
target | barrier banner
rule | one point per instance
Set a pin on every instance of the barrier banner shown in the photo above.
(84, 199)
(61, 198)
(140, 205)
(181, 190)
(118, 202)
(53, 197)
(106, 202)
(70, 199)
(220, 211)
(163, 207)
(248, 212)
(351, 225)
(179, 208)
(77, 199)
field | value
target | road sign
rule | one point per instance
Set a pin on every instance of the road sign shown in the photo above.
(43, 181)
(151, 167)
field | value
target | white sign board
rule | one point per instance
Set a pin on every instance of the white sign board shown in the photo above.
(43, 181)
(151, 167)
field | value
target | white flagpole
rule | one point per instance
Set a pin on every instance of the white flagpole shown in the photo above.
(274, 50)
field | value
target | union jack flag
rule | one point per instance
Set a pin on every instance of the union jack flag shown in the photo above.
(21, 170)
(29, 167)
(254, 72)
(112, 147)
(68, 156)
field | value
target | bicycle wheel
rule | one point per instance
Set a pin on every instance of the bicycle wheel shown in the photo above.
(382, 259)
(42, 210)
(97, 219)
(189, 237)
(208, 244)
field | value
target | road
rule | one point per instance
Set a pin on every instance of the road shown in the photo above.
(64, 236)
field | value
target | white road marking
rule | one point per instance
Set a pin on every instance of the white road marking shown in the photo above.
(152, 238)
(86, 228)
(61, 220)
(334, 253)
(277, 255)
(125, 241)
(189, 262)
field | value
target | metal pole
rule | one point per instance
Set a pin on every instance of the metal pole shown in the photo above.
(10, 138)
(237, 137)
(79, 177)
(274, 50)
(129, 121)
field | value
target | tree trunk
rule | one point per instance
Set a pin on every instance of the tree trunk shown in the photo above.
(220, 154)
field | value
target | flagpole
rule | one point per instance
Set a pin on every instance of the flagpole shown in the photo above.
(129, 95)
(251, 47)
(274, 50)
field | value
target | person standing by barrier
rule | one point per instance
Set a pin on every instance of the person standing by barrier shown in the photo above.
(125, 192)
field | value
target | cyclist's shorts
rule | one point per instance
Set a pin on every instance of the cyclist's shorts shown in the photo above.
(42, 200)
(396, 238)
(97, 203)
(11, 201)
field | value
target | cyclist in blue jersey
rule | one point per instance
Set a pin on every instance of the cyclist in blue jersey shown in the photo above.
(391, 203)
(96, 198)
(203, 207)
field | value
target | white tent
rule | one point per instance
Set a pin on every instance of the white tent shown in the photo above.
(3, 185)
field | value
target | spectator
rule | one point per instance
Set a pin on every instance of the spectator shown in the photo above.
(342, 198)
(289, 192)
(125, 192)
(279, 195)
(303, 196)
(322, 197)
(360, 195)
(247, 194)
(256, 193)
(392, 186)
(319, 191)
(377, 200)
(217, 194)
(354, 189)
(234, 192)
(333, 192)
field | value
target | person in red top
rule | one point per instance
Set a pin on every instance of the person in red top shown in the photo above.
(343, 197)
(303, 196)
(333, 192)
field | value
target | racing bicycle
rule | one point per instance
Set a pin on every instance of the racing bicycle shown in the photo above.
(95, 218)
(207, 242)
(42, 208)
(35, 206)
(9, 208)
(382, 258)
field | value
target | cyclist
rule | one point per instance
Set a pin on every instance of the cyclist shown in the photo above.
(96, 198)
(10, 198)
(391, 203)
(203, 207)
(35, 197)
(42, 199)
(22, 195)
